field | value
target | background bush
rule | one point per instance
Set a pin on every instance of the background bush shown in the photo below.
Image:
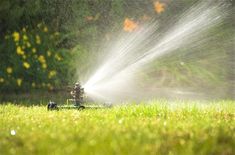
(32, 60)
(71, 34)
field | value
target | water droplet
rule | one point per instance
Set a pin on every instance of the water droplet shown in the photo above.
(13, 132)
(120, 121)
(164, 123)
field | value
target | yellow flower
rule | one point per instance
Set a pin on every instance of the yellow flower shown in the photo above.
(33, 85)
(1, 80)
(9, 70)
(39, 25)
(48, 53)
(38, 39)
(45, 29)
(34, 50)
(25, 37)
(24, 29)
(28, 44)
(50, 86)
(44, 66)
(6, 37)
(41, 59)
(58, 57)
(56, 33)
(16, 36)
(19, 51)
(26, 65)
(51, 74)
(19, 82)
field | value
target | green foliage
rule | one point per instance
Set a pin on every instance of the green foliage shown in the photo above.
(160, 127)
(79, 23)
(84, 26)
(33, 61)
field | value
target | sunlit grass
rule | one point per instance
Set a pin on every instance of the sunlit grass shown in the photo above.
(158, 127)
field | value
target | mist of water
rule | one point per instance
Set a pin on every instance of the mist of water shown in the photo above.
(116, 79)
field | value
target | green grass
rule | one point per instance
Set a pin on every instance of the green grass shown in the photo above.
(158, 127)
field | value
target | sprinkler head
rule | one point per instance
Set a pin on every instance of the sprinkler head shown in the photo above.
(77, 84)
(52, 106)
(77, 94)
(77, 100)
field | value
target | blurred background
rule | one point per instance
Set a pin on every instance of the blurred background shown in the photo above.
(46, 45)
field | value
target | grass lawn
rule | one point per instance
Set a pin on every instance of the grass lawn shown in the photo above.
(157, 127)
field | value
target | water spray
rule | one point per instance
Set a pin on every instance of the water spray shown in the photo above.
(117, 77)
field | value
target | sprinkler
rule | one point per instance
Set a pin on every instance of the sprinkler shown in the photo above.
(77, 100)
(78, 95)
